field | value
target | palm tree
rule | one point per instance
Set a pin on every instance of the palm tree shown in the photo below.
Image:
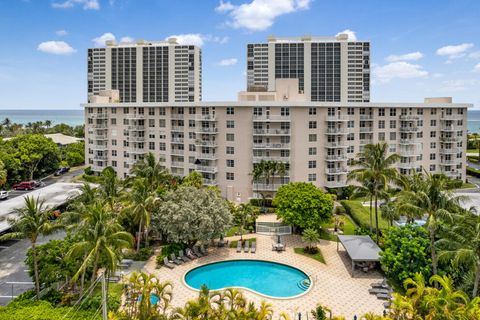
(430, 197)
(388, 211)
(7, 123)
(31, 222)
(376, 167)
(48, 123)
(365, 189)
(110, 187)
(152, 170)
(461, 246)
(141, 203)
(102, 239)
(244, 212)
(311, 237)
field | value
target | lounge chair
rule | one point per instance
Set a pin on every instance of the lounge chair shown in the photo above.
(127, 261)
(378, 290)
(382, 285)
(254, 247)
(190, 254)
(384, 296)
(175, 260)
(167, 263)
(239, 246)
(203, 249)
(183, 257)
(246, 248)
(198, 253)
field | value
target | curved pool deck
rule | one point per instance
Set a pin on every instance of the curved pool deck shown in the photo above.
(333, 286)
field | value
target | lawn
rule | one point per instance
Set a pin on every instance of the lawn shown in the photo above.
(361, 214)
(468, 185)
(472, 151)
(233, 244)
(348, 228)
(317, 256)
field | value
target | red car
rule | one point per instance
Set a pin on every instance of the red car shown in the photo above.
(24, 185)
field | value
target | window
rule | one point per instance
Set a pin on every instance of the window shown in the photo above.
(393, 124)
(432, 156)
(230, 150)
(151, 145)
(350, 137)
(312, 137)
(392, 148)
(114, 142)
(350, 149)
(433, 123)
(312, 124)
(230, 124)
(381, 124)
(151, 111)
(393, 136)
(420, 134)
(191, 147)
(113, 121)
(351, 111)
(125, 122)
(381, 136)
(125, 110)
(161, 146)
(284, 111)
(230, 137)
(230, 111)
(420, 112)
(230, 163)
(230, 176)
(432, 167)
(312, 177)
(420, 123)
(381, 112)
(393, 112)
(312, 111)
(114, 163)
(312, 164)
(191, 123)
(191, 110)
(351, 124)
(433, 134)
(433, 111)
(312, 151)
(161, 111)
(161, 123)
(151, 123)
(114, 153)
(433, 145)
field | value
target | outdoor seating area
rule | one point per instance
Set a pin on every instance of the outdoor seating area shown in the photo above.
(279, 245)
(185, 256)
(362, 250)
(382, 291)
(246, 247)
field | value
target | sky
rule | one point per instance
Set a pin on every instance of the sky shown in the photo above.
(418, 48)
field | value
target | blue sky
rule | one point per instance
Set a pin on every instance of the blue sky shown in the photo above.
(419, 48)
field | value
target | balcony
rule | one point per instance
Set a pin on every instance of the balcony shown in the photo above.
(408, 129)
(97, 146)
(271, 132)
(102, 125)
(336, 157)
(337, 118)
(366, 141)
(207, 169)
(206, 130)
(136, 128)
(210, 182)
(206, 156)
(177, 164)
(135, 139)
(99, 116)
(178, 128)
(451, 128)
(269, 158)
(135, 150)
(335, 131)
(97, 168)
(409, 117)
(409, 153)
(408, 165)
(450, 117)
(206, 117)
(366, 129)
(451, 150)
(451, 162)
(177, 116)
(271, 146)
(178, 140)
(97, 136)
(266, 187)
(450, 139)
(206, 143)
(333, 171)
(135, 116)
(412, 141)
(271, 118)
(100, 158)
(335, 145)
(178, 152)
(452, 173)
(335, 184)
(366, 117)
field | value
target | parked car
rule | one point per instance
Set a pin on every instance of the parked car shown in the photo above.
(61, 171)
(4, 195)
(38, 183)
(24, 185)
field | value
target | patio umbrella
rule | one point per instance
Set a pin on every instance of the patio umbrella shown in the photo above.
(278, 239)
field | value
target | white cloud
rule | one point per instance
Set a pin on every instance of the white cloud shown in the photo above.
(352, 36)
(228, 62)
(87, 4)
(474, 55)
(126, 39)
(61, 33)
(100, 41)
(458, 85)
(56, 47)
(399, 69)
(438, 75)
(412, 56)
(455, 51)
(198, 39)
(477, 68)
(259, 15)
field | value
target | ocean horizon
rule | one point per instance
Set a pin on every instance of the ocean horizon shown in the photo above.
(75, 117)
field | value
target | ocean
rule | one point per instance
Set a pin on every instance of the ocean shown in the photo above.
(75, 117)
(70, 117)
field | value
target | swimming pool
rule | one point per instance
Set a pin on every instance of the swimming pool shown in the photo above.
(266, 278)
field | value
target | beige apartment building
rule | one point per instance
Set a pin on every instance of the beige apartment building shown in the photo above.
(317, 140)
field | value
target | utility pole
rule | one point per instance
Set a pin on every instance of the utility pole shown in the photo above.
(104, 297)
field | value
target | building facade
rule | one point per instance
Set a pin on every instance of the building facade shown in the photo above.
(316, 140)
(328, 69)
(146, 71)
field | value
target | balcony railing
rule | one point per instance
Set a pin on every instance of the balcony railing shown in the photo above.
(337, 118)
(271, 118)
(206, 130)
(135, 150)
(334, 145)
(336, 157)
(409, 117)
(336, 170)
(210, 182)
(269, 158)
(102, 158)
(206, 143)
(102, 125)
(336, 131)
(451, 128)
(408, 129)
(450, 139)
(99, 116)
(136, 128)
(177, 164)
(408, 165)
(207, 156)
(366, 129)
(366, 141)
(336, 184)
(178, 140)
(271, 146)
(135, 116)
(177, 152)
(271, 132)
(207, 169)
(411, 141)
(178, 128)
(367, 117)
(135, 139)
(451, 150)
(266, 187)
(451, 117)
(206, 117)
(450, 162)
(177, 116)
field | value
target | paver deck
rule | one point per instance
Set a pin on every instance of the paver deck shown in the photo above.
(333, 285)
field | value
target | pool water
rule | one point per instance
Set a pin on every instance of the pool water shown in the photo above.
(267, 278)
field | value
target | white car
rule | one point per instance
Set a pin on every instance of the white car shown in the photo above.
(4, 195)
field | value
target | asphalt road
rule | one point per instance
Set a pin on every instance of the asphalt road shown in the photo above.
(13, 267)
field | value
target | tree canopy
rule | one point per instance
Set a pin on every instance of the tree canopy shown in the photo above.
(303, 204)
(189, 214)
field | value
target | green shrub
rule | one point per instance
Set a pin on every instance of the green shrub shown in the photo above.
(339, 210)
(473, 172)
(361, 214)
(168, 250)
(42, 310)
(88, 171)
(142, 255)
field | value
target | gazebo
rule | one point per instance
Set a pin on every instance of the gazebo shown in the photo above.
(360, 249)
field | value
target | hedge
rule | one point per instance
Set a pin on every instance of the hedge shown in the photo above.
(361, 214)
(473, 172)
